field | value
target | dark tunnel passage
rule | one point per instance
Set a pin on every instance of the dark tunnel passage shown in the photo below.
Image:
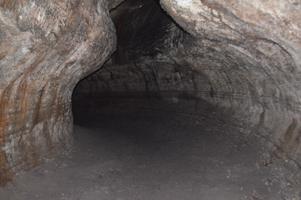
(199, 100)
(161, 110)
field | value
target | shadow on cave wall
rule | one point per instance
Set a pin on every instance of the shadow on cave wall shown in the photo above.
(142, 28)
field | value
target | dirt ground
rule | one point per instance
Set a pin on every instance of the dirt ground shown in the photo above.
(123, 151)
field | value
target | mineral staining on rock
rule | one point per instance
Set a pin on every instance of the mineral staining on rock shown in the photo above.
(46, 47)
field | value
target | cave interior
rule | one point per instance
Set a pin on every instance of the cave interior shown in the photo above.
(185, 100)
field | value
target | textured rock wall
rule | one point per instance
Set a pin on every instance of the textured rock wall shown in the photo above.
(46, 47)
(144, 33)
(114, 3)
(250, 51)
(241, 55)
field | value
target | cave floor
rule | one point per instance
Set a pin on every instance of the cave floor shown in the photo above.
(152, 154)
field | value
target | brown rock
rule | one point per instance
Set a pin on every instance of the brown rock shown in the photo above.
(46, 47)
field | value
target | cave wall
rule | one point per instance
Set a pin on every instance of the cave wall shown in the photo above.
(145, 33)
(242, 56)
(46, 47)
(253, 51)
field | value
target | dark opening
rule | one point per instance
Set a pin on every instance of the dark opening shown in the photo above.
(159, 138)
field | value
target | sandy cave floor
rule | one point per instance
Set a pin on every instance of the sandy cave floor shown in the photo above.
(152, 154)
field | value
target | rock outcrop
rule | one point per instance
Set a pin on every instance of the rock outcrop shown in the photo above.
(46, 47)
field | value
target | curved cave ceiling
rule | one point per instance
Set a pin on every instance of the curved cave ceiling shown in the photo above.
(213, 51)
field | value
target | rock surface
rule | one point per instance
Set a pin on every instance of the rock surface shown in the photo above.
(251, 53)
(46, 47)
(114, 3)
(244, 56)
(240, 55)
